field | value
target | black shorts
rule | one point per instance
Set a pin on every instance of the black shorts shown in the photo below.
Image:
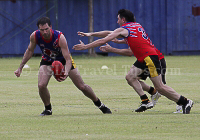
(144, 75)
(151, 67)
(43, 62)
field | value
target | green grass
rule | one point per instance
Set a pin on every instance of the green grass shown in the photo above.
(75, 116)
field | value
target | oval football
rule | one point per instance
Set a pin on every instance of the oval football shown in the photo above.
(58, 69)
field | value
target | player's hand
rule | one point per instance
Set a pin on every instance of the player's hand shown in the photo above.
(83, 34)
(80, 46)
(115, 40)
(18, 72)
(63, 77)
(106, 48)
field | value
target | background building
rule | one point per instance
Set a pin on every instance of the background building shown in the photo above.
(172, 25)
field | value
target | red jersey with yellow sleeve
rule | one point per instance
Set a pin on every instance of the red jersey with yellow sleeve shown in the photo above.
(138, 41)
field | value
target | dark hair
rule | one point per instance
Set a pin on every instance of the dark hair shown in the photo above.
(44, 20)
(128, 15)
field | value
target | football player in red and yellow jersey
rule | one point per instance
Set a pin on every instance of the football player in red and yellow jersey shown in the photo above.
(147, 59)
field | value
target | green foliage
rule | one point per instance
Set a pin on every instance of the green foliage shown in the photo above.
(76, 117)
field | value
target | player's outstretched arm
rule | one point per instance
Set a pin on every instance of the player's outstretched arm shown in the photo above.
(108, 48)
(117, 33)
(95, 34)
(27, 55)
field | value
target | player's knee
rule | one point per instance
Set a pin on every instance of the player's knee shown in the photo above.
(127, 78)
(130, 78)
(41, 86)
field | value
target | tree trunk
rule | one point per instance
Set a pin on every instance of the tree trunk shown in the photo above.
(91, 51)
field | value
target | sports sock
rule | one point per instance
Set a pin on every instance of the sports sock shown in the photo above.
(97, 103)
(144, 98)
(48, 107)
(151, 91)
(182, 100)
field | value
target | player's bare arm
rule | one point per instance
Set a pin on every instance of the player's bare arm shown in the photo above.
(83, 34)
(66, 54)
(117, 33)
(108, 48)
(95, 34)
(27, 55)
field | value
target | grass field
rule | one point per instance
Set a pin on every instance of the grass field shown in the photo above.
(75, 116)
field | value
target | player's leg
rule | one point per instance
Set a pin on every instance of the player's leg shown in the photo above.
(155, 95)
(153, 65)
(154, 68)
(143, 76)
(163, 66)
(74, 75)
(165, 90)
(132, 79)
(44, 76)
(151, 90)
(145, 87)
(171, 94)
(163, 72)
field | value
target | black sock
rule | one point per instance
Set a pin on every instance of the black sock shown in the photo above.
(151, 90)
(97, 103)
(144, 98)
(182, 101)
(48, 107)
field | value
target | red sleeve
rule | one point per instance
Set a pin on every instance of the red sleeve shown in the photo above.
(59, 38)
(35, 37)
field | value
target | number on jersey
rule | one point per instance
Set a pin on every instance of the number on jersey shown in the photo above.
(144, 35)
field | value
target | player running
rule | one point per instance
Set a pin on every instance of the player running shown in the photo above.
(147, 58)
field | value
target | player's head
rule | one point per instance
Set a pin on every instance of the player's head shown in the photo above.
(124, 16)
(44, 25)
(44, 20)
